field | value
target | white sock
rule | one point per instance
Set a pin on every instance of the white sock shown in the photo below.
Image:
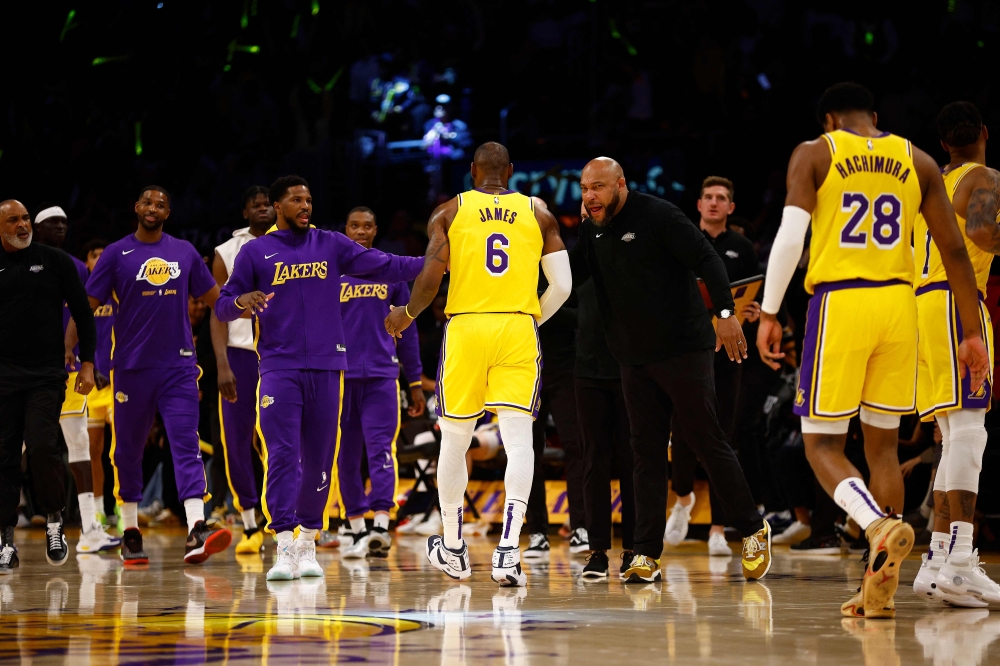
(513, 519)
(453, 477)
(938, 549)
(87, 516)
(194, 509)
(382, 520)
(284, 536)
(307, 534)
(249, 519)
(130, 515)
(358, 525)
(853, 497)
(961, 541)
(99, 503)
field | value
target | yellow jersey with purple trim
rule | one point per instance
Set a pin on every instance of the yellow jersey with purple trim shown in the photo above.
(495, 246)
(926, 254)
(865, 209)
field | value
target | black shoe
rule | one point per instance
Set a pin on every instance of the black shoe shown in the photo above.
(597, 566)
(538, 547)
(132, 552)
(579, 541)
(627, 556)
(379, 542)
(8, 559)
(205, 540)
(7, 538)
(819, 544)
(56, 548)
(853, 544)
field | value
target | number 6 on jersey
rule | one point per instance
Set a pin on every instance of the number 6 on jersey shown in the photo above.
(497, 259)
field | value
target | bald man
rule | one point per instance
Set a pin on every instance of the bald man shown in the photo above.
(35, 281)
(643, 254)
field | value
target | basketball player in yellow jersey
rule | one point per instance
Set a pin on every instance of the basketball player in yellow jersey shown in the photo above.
(494, 239)
(862, 189)
(950, 570)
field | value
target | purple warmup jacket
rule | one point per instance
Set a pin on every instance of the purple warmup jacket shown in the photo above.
(371, 352)
(84, 273)
(302, 327)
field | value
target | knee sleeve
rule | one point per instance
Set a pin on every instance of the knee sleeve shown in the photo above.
(879, 420)
(941, 475)
(77, 438)
(967, 441)
(452, 476)
(515, 430)
(822, 427)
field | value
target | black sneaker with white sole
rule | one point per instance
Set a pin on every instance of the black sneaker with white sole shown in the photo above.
(579, 541)
(56, 548)
(597, 566)
(379, 542)
(8, 559)
(538, 547)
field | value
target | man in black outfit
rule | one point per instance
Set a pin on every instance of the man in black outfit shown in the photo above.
(643, 253)
(35, 280)
(715, 204)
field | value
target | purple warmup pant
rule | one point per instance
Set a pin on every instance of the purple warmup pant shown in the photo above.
(299, 412)
(237, 422)
(139, 394)
(370, 420)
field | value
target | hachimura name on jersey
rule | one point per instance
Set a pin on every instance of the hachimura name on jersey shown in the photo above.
(860, 342)
(490, 356)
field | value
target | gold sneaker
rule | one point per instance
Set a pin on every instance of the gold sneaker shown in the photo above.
(855, 606)
(643, 569)
(889, 542)
(252, 544)
(757, 553)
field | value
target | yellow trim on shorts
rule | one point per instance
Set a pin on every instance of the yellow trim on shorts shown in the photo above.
(114, 444)
(225, 458)
(334, 475)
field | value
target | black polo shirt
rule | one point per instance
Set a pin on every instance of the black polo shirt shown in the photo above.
(737, 253)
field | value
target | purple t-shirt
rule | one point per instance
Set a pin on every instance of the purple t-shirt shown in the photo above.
(104, 320)
(371, 352)
(150, 284)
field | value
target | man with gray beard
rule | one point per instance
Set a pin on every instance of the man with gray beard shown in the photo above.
(35, 281)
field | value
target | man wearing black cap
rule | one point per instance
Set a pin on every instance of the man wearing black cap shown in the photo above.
(35, 281)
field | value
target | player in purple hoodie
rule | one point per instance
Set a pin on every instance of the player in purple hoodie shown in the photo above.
(371, 414)
(290, 279)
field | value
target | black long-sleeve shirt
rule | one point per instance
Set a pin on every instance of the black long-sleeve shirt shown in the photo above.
(643, 264)
(593, 358)
(34, 284)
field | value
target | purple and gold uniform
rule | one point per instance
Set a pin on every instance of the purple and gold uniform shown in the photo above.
(303, 354)
(371, 413)
(152, 356)
(74, 404)
(101, 401)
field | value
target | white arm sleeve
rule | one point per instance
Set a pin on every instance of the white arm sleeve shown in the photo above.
(560, 277)
(784, 257)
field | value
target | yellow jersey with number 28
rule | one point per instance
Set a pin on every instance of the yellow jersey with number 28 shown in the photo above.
(495, 245)
(865, 210)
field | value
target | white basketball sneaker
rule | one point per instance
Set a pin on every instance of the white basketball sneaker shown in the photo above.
(965, 584)
(925, 584)
(677, 523)
(305, 552)
(97, 540)
(286, 564)
(507, 567)
(454, 564)
(358, 549)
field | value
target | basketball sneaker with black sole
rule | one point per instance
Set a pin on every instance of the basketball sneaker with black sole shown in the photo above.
(204, 541)
(132, 552)
(379, 542)
(642, 569)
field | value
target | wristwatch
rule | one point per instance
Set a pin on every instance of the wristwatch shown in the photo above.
(725, 314)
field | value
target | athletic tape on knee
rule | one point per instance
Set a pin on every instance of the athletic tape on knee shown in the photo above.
(822, 427)
(74, 429)
(515, 430)
(965, 449)
(452, 475)
(879, 420)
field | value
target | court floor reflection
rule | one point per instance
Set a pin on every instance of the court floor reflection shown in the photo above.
(397, 610)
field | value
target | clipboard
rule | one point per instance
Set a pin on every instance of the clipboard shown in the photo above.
(744, 291)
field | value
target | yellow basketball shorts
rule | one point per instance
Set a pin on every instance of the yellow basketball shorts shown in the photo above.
(74, 404)
(100, 402)
(939, 386)
(489, 361)
(860, 348)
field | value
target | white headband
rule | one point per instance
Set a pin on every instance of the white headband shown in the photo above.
(54, 211)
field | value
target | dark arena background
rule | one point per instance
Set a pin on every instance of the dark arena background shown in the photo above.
(382, 104)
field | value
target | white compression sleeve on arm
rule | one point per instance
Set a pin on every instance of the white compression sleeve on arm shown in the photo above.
(785, 255)
(557, 271)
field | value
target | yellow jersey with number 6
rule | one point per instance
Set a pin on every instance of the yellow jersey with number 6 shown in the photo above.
(495, 246)
(865, 210)
(928, 257)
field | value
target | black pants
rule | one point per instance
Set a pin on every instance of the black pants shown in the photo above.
(31, 415)
(652, 391)
(604, 432)
(728, 377)
(558, 399)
